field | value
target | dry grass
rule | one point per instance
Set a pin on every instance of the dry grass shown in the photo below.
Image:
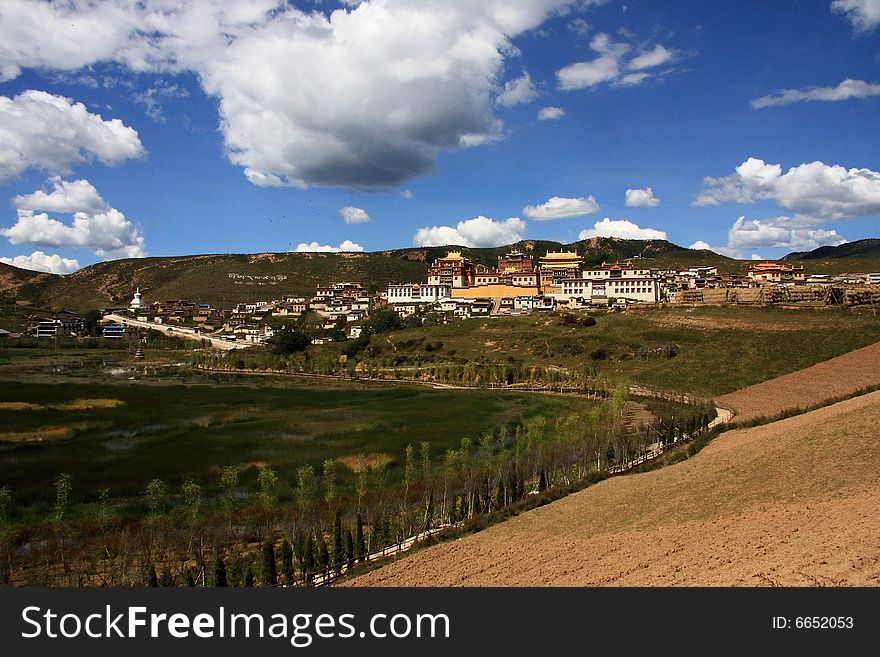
(40, 435)
(88, 404)
(19, 406)
(372, 462)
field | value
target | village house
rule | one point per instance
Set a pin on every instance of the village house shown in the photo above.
(771, 272)
(62, 324)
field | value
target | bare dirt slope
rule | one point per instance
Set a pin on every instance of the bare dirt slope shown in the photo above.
(837, 377)
(796, 503)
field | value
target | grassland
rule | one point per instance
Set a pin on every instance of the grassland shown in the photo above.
(718, 350)
(122, 436)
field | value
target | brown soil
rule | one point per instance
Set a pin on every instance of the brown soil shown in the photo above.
(792, 503)
(833, 378)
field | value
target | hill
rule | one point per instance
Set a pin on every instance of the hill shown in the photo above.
(861, 256)
(23, 284)
(225, 279)
(868, 247)
(791, 503)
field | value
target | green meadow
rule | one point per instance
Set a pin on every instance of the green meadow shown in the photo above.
(121, 436)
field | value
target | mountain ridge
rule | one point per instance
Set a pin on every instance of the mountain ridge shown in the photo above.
(223, 279)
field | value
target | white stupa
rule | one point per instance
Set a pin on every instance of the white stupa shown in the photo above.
(136, 303)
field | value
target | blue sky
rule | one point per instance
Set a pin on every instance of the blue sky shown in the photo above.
(167, 128)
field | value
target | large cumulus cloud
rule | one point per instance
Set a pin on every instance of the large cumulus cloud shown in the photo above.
(364, 97)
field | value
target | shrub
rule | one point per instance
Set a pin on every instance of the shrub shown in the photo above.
(588, 321)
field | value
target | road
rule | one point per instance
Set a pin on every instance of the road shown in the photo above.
(179, 331)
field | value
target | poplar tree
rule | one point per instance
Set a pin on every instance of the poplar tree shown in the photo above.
(268, 484)
(330, 483)
(229, 482)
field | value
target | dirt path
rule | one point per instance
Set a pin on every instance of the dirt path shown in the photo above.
(837, 377)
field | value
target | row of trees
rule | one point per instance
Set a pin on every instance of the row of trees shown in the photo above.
(243, 538)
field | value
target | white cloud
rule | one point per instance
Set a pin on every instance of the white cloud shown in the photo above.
(352, 215)
(407, 194)
(518, 92)
(604, 68)
(42, 131)
(623, 229)
(477, 232)
(797, 233)
(314, 247)
(608, 66)
(641, 198)
(95, 226)
(39, 261)
(651, 58)
(844, 91)
(816, 188)
(863, 14)
(747, 234)
(66, 196)
(562, 208)
(550, 113)
(381, 86)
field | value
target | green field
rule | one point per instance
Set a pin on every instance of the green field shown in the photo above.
(176, 431)
(717, 349)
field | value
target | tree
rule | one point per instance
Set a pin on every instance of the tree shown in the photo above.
(62, 497)
(323, 555)
(330, 483)
(361, 470)
(288, 339)
(5, 535)
(150, 577)
(247, 579)
(59, 512)
(305, 489)
(268, 483)
(91, 322)
(382, 320)
(268, 569)
(337, 558)
(409, 472)
(308, 558)
(229, 482)
(286, 556)
(218, 574)
(349, 550)
(360, 543)
(192, 504)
